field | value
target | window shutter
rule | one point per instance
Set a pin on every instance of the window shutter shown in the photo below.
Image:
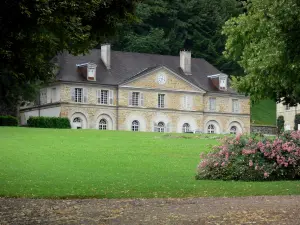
(154, 128)
(130, 98)
(141, 99)
(111, 96)
(191, 102)
(98, 96)
(84, 95)
(169, 127)
(165, 101)
(73, 94)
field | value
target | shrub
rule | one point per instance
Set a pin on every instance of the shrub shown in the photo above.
(8, 121)
(280, 124)
(48, 122)
(252, 158)
(297, 121)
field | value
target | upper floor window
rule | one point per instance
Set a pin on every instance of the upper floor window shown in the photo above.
(79, 95)
(212, 104)
(53, 95)
(187, 102)
(136, 99)
(287, 107)
(161, 101)
(235, 105)
(105, 97)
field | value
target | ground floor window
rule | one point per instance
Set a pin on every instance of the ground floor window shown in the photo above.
(233, 130)
(186, 128)
(77, 122)
(211, 129)
(161, 127)
(135, 125)
(102, 124)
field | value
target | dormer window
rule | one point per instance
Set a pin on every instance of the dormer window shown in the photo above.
(219, 81)
(87, 70)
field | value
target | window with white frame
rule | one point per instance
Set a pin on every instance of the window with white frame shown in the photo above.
(103, 97)
(233, 130)
(223, 82)
(235, 105)
(287, 107)
(135, 125)
(161, 101)
(212, 104)
(53, 94)
(161, 127)
(211, 129)
(102, 124)
(78, 95)
(135, 98)
(186, 128)
(187, 102)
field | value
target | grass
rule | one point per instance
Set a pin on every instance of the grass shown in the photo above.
(264, 113)
(53, 163)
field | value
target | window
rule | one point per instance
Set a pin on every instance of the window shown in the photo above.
(78, 94)
(103, 97)
(161, 101)
(53, 94)
(287, 107)
(77, 120)
(186, 128)
(223, 83)
(77, 123)
(233, 130)
(187, 102)
(235, 105)
(211, 129)
(135, 125)
(161, 127)
(135, 98)
(102, 124)
(212, 104)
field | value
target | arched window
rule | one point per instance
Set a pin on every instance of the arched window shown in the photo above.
(77, 123)
(161, 127)
(233, 130)
(135, 125)
(77, 120)
(211, 129)
(186, 128)
(102, 124)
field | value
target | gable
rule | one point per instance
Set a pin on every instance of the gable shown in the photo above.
(164, 79)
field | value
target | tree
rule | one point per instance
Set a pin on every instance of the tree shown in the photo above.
(265, 43)
(166, 26)
(34, 32)
(280, 124)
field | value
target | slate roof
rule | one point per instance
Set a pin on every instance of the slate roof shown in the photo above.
(127, 65)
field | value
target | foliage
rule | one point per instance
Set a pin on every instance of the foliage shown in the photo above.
(165, 27)
(249, 158)
(67, 163)
(48, 122)
(297, 121)
(34, 32)
(265, 42)
(263, 112)
(280, 124)
(8, 121)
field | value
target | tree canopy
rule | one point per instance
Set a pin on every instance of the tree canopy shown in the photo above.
(33, 32)
(265, 42)
(166, 26)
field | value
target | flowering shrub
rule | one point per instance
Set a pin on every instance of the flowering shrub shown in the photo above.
(252, 158)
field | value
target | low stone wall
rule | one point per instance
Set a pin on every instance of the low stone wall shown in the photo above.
(263, 129)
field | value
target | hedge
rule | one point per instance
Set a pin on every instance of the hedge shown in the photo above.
(8, 121)
(48, 122)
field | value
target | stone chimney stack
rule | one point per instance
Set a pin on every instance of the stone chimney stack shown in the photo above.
(105, 55)
(185, 62)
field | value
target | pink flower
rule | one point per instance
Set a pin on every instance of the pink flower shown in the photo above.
(266, 175)
(216, 164)
(256, 167)
(223, 164)
(250, 163)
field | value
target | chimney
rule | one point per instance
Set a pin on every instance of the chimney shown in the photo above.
(105, 55)
(185, 62)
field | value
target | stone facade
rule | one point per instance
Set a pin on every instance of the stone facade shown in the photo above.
(288, 113)
(174, 115)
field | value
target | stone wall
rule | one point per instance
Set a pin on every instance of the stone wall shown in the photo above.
(272, 130)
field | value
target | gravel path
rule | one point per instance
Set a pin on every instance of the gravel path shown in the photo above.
(245, 210)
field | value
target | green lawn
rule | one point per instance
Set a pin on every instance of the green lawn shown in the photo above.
(264, 113)
(109, 164)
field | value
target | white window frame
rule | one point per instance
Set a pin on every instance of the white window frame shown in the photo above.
(212, 107)
(186, 127)
(235, 105)
(233, 130)
(161, 129)
(53, 94)
(103, 126)
(211, 129)
(161, 100)
(135, 125)
(138, 102)
(79, 98)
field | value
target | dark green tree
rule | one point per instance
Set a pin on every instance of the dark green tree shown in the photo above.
(33, 32)
(280, 124)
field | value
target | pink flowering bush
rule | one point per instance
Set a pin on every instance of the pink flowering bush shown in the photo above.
(253, 158)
